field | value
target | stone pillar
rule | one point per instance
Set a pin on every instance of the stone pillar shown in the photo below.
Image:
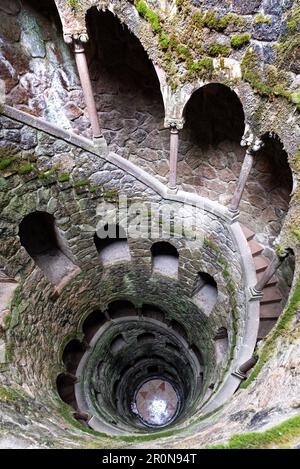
(86, 84)
(241, 372)
(174, 140)
(269, 272)
(245, 367)
(243, 177)
(174, 125)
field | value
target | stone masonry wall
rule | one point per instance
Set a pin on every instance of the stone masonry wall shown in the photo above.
(40, 321)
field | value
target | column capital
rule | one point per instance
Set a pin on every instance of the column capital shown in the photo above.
(252, 141)
(257, 145)
(174, 123)
(79, 36)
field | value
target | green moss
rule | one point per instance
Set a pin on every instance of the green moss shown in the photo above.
(81, 183)
(48, 174)
(164, 41)
(211, 245)
(111, 194)
(8, 394)
(260, 18)
(201, 67)
(280, 329)
(17, 298)
(293, 20)
(74, 4)
(64, 177)
(8, 156)
(6, 163)
(25, 168)
(270, 81)
(295, 98)
(239, 40)
(280, 250)
(279, 435)
(296, 233)
(67, 414)
(219, 50)
(219, 23)
(149, 14)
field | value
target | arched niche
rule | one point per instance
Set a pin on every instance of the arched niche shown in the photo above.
(121, 308)
(66, 390)
(45, 244)
(72, 354)
(92, 323)
(221, 344)
(213, 114)
(267, 195)
(117, 344)
(209, 144)
(112, 245)
(126, 88)
(165, 259)
(205, 292)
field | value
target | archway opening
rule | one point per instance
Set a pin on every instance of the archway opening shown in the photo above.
(209, 147)
(44, 243)
(111, 244)
(127, 90)
(205, 292)
(92, 323)
(213, 115)
(268, 191)
(221, 344)
(165, 259)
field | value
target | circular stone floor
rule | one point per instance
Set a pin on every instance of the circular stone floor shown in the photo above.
(156, 402)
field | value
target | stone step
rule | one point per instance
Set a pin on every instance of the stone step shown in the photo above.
(261, 263)
(272, 281)
(255, 247)
(271, 294)
(265, 326)
(270, 311)
(248, 233)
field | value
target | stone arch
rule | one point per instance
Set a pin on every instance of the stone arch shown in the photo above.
(205, 104)
(92, 323)
(112, 244)
(268, 190)
(66, 389)
(72, 355)
(210, 142)
(205, 292)
(44, 243)
(126, 87)
(165, 259)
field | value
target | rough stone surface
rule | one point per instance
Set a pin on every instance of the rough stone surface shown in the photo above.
(40, 311)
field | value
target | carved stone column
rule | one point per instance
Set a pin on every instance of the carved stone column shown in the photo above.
(86, 84)
(241, 372)
(268, 274)
(243, 177)
(175, 125)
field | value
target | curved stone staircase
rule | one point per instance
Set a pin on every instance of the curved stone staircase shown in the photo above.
(271, 302)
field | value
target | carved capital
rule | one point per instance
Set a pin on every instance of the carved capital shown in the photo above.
(78, 36)
(251, 141)
(174, 123)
